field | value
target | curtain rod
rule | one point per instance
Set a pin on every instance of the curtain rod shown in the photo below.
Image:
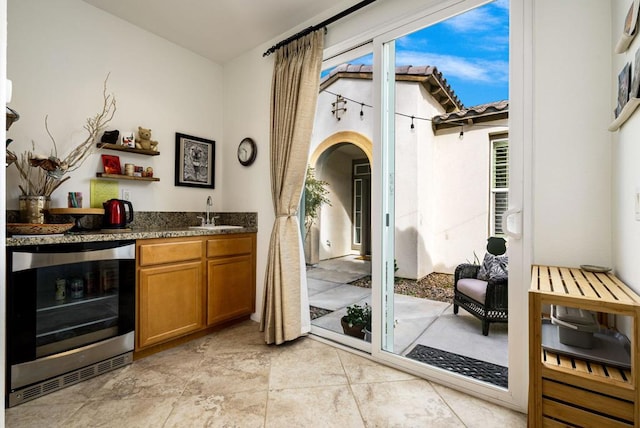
(313, 28)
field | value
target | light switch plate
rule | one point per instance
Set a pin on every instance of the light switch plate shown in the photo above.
(125, 194)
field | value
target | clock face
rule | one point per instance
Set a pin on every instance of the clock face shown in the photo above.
(247, 152)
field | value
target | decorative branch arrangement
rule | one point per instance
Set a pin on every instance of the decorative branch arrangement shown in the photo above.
(42, 175)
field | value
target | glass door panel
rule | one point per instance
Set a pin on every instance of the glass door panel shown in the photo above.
(337, 240)
(438, 189)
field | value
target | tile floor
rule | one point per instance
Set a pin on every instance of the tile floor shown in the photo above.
(231, 379)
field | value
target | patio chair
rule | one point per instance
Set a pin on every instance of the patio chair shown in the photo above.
(482, 290)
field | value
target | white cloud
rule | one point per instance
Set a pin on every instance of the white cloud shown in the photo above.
(470, 69)
(502, 4)
(475, 20)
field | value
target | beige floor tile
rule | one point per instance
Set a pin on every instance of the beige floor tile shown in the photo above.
(329, 406)
(412, 403)
(363, 370)
(228, 373)
(36, 414)
(243, 409)
(307, 364)
(137, 381)
(129, 413)
(244, 337)
(475, 412)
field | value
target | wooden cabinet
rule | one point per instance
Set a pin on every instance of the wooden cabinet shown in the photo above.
(186, 285)
(572, 390)
(231, 277)
(170, 292)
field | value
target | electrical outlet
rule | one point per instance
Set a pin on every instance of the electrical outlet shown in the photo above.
(125, 194)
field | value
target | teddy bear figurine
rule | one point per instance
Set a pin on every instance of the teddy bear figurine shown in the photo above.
(144, 140)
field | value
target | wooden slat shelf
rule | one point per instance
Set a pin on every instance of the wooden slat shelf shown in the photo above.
(567, 390)
(599, 291)
(125, 177)
(120, 148)
(584, 368)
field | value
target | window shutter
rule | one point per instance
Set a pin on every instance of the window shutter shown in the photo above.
(499, 184)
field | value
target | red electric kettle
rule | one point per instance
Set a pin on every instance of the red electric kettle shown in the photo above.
(115, 215)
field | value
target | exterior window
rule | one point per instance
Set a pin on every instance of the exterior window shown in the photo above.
(357, 211)
(499, 183)
(361, 174)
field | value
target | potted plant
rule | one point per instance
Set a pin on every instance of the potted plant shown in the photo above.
(358, 319)
(41, 174)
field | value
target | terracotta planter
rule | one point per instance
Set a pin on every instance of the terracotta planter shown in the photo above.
(355, 330)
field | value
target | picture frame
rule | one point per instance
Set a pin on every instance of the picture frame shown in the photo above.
(624, 86)
(128, 139)
(111, 164)
(195, 161)
(635, 80)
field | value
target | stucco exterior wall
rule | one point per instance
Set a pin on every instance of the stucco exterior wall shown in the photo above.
(441, 182)
(335, 219)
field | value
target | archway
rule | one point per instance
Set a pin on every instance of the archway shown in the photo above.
(343, 160)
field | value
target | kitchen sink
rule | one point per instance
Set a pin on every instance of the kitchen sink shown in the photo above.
(214, 227)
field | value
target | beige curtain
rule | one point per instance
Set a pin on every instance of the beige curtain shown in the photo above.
(294, 93)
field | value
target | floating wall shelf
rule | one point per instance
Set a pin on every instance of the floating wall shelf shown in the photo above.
(625, 114)
(120, 148)
(125, 177)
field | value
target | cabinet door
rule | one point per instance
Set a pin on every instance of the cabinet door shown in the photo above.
(230, 288)
(170, 302)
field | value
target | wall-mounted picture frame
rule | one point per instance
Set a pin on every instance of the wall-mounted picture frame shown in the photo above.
(195, 161)
(128, 139)
(624, 86)
(111, 164)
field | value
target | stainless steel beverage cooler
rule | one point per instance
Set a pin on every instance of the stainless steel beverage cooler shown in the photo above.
(70, 314)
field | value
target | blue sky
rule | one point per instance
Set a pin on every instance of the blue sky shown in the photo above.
(471, 50)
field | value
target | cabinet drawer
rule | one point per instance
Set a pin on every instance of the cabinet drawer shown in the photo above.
(169, 252)
(229, 246)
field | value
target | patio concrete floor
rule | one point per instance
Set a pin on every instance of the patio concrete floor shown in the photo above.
(418, 321)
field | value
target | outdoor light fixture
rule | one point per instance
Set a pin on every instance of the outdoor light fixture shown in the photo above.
(412, 125)
(461, 136)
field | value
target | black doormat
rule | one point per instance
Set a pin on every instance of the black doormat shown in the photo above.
(481, 370)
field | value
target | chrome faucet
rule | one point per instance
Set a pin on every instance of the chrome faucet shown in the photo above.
(208, 211)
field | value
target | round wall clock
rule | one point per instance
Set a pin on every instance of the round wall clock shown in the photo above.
(247, 151)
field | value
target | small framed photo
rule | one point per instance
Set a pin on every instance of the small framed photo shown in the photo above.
(128, 139)
(195, 161)
(111, 164)
(624, 86)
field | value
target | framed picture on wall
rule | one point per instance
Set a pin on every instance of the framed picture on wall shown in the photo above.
(624, 86)
(111, 164)
(635, 80)
(195, 161)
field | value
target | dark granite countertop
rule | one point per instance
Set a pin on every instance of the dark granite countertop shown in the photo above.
(146, 226)
(116, 235)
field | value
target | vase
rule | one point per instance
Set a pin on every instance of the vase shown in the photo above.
(33, 208)
(355, 330)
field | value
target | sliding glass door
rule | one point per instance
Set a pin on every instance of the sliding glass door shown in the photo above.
(439, 141)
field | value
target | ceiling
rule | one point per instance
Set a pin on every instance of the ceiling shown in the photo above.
(219, 29)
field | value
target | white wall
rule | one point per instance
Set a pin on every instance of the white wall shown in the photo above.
(625, 171)
(335, 219)
(572, 148)
(462, 171)
(59, 54)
